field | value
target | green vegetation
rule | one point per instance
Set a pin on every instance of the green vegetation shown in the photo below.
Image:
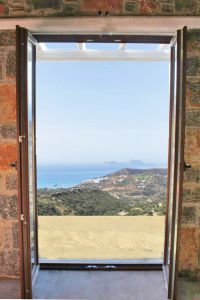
(79, 203)
(126, 192)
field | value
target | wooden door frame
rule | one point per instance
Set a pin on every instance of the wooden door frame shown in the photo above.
(171, 104)
(178, 168)
(171, 113)
(102, 38)
(22, 37)
(181, 168)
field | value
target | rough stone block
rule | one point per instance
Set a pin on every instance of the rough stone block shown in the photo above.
(9, 263)
(15, 235)
(185, 6)
(93, 6)
(193, 66)
(8, 154)
(17, 7)
(193, 40)
(6, 235)
(4, 10)
(11, 181)
(198, 221)
(192, 175)
(8, 131)
(2, 7)
(8, 102)
(193, 92)
(8, 207)
(193, 118)
(189, 247)
(148, 7)
(1, 70)
(7, 38)
(189, 215)
(37, 4)
(166, 8)
(7, 238)
(191, 195)
(130, 7)
(191, 274)
(70, 7)
(198, 8)
(192, 145)
(2, 229)
(2, 180)
(11, 65)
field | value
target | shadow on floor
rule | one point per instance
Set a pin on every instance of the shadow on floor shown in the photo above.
(100, 285)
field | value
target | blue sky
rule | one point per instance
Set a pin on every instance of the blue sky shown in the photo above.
(91, 112)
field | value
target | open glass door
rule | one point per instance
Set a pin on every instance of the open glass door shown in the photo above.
(171, 148)
(27, 160)
(176, 160)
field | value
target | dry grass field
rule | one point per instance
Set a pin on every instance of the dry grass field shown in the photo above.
(96, 237)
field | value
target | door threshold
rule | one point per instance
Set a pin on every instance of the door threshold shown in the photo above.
(102, 265)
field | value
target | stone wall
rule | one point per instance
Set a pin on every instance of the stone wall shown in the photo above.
(9, 221)
(189, 263)
(36, 8)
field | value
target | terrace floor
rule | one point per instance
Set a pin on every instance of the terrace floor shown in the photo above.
(100, 285)
(101, 237)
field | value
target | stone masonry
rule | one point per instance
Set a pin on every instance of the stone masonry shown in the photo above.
(9, 221)
(189, 261)
(38, 8)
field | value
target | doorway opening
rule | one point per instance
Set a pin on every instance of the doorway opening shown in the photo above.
(102, 144)
(92, 213)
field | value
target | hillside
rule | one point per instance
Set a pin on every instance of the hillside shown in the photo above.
(129, 192)
(128, 171)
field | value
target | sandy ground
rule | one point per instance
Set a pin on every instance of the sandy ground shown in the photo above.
(96, 237)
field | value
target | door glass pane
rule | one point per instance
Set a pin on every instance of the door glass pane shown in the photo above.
(171, 177)
(31, 154)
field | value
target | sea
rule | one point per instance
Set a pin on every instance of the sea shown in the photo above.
(65, 176)
(56, 176)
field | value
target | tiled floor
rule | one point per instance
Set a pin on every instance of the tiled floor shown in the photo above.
(100, 285)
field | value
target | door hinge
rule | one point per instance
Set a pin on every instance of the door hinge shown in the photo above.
(22, 217)
(110, 267)
(92, 267)
(96, 267)
(21, 137)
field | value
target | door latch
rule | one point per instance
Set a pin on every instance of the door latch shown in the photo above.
(21, 137)
(13, 164)
(187, 166)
